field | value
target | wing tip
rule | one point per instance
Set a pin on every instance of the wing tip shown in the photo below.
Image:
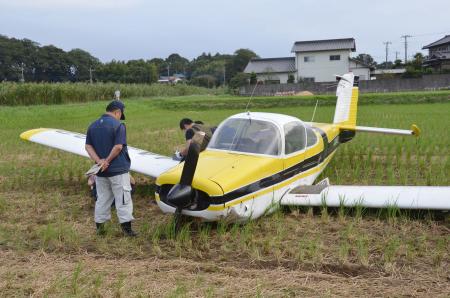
(26, 135)
(415, 130)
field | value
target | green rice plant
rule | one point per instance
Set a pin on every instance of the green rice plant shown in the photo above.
(183, 237)
(324, 208)
(344, 250)
(222, 227)
(75, 287)
(342, 212)
(58, 236)
(362, 249)
(309, 250)
(390, 249)
(360, 210)
(205, 235)
(442, 244)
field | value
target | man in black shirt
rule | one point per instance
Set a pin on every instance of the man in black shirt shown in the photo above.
(195, 131)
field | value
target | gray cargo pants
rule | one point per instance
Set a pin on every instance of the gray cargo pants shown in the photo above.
(116, 188)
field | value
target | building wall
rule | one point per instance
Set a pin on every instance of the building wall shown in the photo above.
(427, 82)
(283, 77)
(321, 68)
(359, 70)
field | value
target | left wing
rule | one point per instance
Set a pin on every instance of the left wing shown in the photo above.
(142, 161)
(403, 197)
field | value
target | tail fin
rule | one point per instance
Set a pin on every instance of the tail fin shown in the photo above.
(347, 100)
(346, 108)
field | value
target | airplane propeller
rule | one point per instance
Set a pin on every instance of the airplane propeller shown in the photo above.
(182, 194)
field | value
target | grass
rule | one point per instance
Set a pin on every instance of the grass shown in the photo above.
(48, 245)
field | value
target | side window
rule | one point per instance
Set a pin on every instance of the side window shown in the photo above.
(311, 137)
(335, 57)
(295, 137)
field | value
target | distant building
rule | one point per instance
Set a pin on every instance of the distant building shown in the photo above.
(272, 70)
(438, 54)
(387, 73)
(315, 61)
(170, 80)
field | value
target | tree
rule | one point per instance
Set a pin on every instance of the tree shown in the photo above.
(154, 75)
(240, 79)
(253, 78)
(81, 65)
(366, 59)
(290, 79)
(239, 61)
(398, 63)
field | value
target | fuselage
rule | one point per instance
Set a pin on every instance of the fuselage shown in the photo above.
(252, 160)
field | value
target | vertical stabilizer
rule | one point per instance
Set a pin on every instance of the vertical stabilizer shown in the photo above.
(347, 100)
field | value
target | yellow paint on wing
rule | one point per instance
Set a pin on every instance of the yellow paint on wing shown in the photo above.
(26, 135)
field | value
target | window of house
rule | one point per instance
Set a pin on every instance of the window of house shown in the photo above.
(294, 137)
(308, 59)
(335, 57)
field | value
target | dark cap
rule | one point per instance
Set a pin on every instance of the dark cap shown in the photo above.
(116, 105)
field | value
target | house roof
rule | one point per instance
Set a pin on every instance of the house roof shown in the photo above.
(324, 45)
(439, 42)
(272, 65)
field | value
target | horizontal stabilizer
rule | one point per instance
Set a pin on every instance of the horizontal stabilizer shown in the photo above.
(403, 197)
(142, 161)
(414, 131)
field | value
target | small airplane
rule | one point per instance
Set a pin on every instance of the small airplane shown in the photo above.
(256, 162)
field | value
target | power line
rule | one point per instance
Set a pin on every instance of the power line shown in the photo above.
(406, 36)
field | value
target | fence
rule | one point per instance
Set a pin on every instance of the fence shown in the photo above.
(427, 82)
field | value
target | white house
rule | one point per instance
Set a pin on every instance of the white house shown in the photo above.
(315, 61)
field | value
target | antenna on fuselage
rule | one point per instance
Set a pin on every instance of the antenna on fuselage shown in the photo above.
(314, 112)
(251, 96)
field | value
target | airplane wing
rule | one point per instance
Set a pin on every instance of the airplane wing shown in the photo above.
(142, 161)
(403, 197)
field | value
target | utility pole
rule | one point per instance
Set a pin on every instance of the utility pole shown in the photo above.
(396, 55)
(90, 74)
(387, 43)
(22, 77)
(406, 36)
(224, 74)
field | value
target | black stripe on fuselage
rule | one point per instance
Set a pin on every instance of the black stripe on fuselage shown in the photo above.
(279, 177)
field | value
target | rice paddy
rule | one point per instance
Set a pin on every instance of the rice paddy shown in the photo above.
(48, 245)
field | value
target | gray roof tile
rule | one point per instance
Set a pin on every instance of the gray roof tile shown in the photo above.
(439, 42)
(324, 45)
(273, 65)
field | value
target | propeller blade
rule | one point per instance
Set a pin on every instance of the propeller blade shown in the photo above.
(190, 164)
(182, 194)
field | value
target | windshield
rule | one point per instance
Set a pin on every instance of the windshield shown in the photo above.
(247, 135)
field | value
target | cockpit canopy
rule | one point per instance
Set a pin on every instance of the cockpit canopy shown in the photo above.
(259, 136)
(247, 135)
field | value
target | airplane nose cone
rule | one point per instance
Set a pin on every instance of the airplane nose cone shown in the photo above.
(180, 195)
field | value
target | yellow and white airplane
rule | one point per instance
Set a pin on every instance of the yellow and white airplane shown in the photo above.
(256, 162)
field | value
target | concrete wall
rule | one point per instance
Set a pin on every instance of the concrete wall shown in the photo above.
(427, 82)
(321, 68)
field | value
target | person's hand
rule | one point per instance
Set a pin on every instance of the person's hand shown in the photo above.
(103, 163)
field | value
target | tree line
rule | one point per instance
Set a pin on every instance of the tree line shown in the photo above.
(27, 60)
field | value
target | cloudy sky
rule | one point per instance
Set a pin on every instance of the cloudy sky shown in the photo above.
(132, 29)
